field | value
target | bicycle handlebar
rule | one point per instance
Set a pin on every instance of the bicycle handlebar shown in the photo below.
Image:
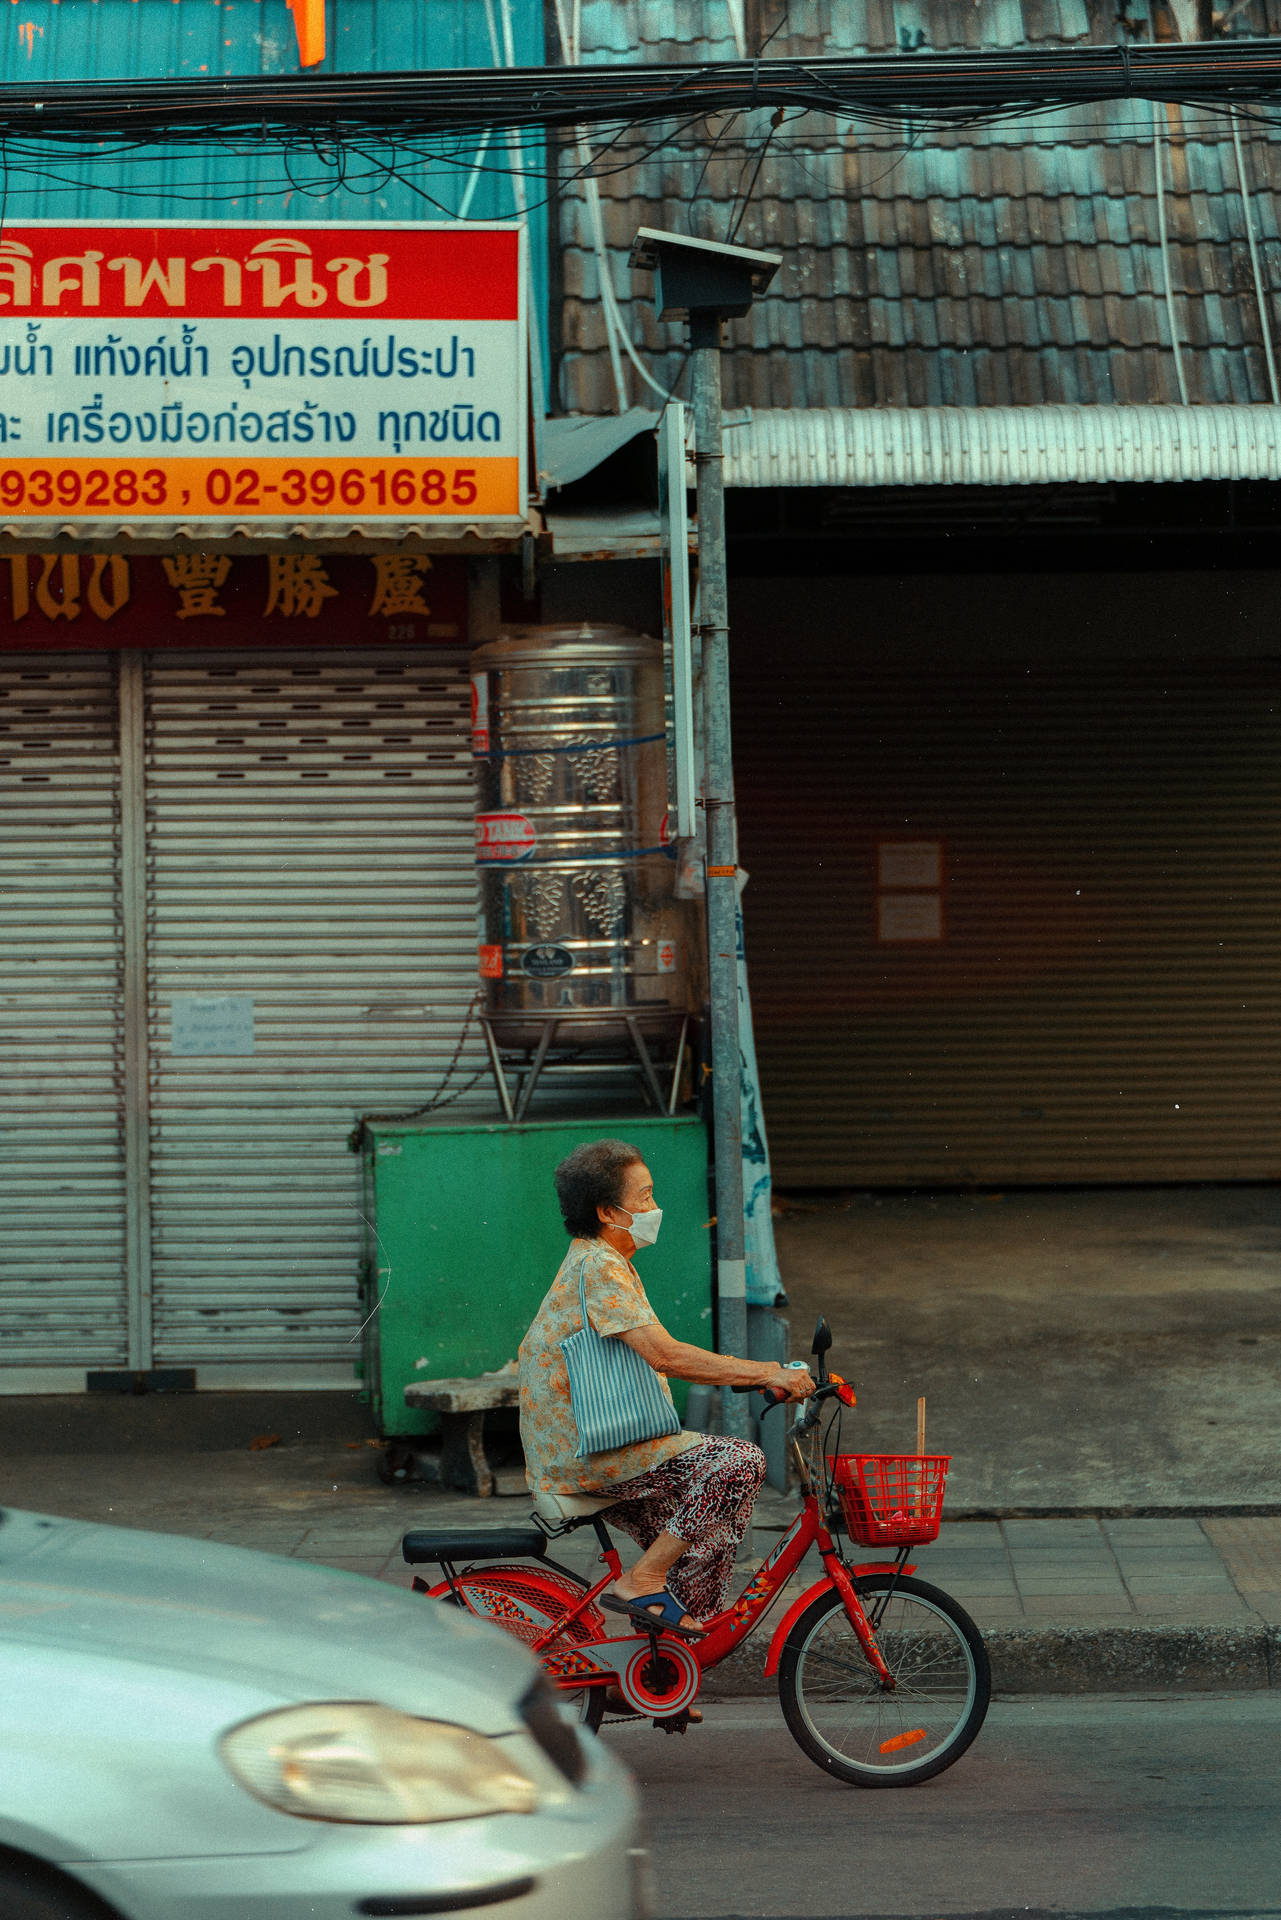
(826, 1385)
(832, 1385)
(771, 1397)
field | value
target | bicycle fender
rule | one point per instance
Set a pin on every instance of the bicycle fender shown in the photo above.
(798, 1607)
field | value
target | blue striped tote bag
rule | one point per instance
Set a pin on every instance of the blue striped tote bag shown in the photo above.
(615, 1396)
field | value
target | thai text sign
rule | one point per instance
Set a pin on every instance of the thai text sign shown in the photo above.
(239, 375)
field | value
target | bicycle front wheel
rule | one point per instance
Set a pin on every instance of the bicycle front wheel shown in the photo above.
(841, 1715)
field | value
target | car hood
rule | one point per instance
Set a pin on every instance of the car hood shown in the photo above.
(279, 1629)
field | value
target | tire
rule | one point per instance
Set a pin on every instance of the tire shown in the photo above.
(839, 1714)
(31, 1891)
(486, 1590)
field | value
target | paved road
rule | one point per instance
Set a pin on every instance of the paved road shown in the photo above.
(1100, 1807)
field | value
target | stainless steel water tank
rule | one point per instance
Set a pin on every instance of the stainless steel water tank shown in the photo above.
(576, 875)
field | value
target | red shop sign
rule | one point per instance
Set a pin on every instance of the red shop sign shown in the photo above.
(194, 600)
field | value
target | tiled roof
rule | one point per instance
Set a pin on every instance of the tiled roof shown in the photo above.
(1019, 264)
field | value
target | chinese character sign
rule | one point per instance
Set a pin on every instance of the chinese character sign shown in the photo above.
(233, 375)
(74, 600)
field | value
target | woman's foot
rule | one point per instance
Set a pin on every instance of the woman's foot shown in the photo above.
(664, 1607)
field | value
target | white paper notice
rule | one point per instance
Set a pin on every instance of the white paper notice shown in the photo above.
(212, 1023)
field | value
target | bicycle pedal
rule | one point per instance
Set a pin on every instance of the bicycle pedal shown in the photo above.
(674, 1723)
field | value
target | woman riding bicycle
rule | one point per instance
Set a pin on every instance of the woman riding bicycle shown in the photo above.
(686, 1498)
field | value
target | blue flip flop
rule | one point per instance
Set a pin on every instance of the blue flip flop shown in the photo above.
(667, 1619)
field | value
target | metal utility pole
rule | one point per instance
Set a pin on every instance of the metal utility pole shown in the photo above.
(710, 282)
(722, 854)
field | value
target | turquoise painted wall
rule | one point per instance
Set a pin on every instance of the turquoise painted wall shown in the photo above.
(163, 39)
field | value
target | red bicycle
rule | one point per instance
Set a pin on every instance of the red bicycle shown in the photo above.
(883, 1679)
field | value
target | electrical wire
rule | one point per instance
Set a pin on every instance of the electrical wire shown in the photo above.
(720, 138)
(1163, 242)
(103, 169)
(61, 165)
(776, 121)
(600, 253)
(618, 339)
(520, 203)
(940, 89)
(138, 167)
(1265, 322)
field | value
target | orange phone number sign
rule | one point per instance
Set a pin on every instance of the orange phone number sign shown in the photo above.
(224, 375)
(485, 489)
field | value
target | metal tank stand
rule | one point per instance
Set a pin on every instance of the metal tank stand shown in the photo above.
(529, 1060)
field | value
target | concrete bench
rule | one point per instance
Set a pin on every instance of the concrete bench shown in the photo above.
(462, 1406)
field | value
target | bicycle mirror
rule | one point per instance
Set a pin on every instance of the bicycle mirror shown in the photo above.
(822, 1341)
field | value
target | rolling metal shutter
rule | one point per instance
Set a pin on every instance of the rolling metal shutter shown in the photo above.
(1095, 762)
(62, 1184)
(310, 853)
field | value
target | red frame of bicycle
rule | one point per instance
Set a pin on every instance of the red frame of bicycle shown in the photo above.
(726, 1630)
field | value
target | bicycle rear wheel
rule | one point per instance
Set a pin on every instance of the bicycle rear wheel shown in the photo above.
(840, 1715)
(525, 1601)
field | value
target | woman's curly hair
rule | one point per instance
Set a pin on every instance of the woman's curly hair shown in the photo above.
(590, 1177)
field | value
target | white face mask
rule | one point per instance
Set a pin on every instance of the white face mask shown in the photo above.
(644, 1227)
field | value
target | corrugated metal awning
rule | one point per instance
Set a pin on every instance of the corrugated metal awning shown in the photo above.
(999, 446)
(922, 447)
(575, 444)
(264, 536)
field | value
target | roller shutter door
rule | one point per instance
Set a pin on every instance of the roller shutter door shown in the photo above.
(62, 1186)
(1014, 847)
(311, 885)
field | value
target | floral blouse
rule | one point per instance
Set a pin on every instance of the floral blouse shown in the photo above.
(616, 1302)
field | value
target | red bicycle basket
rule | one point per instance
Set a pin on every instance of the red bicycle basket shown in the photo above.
(891, 1499)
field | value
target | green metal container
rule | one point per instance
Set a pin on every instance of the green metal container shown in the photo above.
(466, 1238)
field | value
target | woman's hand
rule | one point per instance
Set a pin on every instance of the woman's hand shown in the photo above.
(682, 1362)
(797, 1383)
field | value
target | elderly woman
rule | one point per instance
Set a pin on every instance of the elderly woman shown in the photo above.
(685, 1497)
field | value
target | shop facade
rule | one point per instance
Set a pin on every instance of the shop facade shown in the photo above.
(257, 487)
(1012, 838)
(1010, 807)
(238, 910)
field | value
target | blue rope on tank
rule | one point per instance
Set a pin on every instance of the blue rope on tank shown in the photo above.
(579, 860)
(574, 746)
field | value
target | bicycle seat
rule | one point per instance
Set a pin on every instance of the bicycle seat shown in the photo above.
(474, 1543)
(557, 1508)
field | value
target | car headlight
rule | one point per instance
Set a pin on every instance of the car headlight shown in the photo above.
(352, 1760)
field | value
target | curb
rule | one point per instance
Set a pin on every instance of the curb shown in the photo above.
(1139, 1659)
(1170, 1510)
(768, 1522)
(1084, 1660)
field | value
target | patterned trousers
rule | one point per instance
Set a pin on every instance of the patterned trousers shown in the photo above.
(705, 1496)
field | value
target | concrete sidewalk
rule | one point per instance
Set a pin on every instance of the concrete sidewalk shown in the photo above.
(1102, 1367)
(1087, 1352)
(1067, 1604)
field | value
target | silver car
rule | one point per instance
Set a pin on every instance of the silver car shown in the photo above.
(199, 1730)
